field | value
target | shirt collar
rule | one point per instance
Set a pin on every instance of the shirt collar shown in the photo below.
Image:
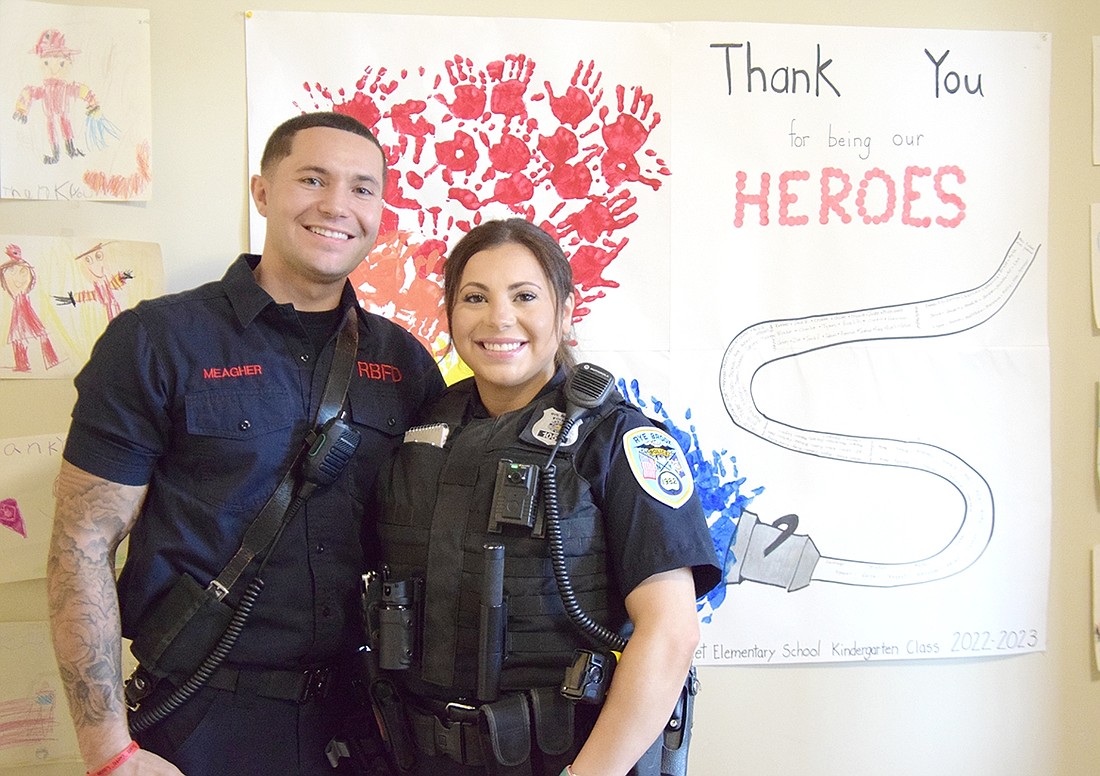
(248, 299)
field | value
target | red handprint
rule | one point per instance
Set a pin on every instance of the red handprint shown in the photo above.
(457, 155)
(559, 147)
(512, 76)
(588, 261)
(511, 154)
(577, 103)
(384, 282)
(401, 116)
(395, 194)
(464, 197)
(363, 105)
(514, 189)
(405, 125)
(428, 259)
(375, 84)
(625, 136)
(601, 215)
(570, 180)
(470, 88)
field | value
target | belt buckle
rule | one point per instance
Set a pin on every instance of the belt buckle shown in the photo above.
(315, 684)
(451, 732)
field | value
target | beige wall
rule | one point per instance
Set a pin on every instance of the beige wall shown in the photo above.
(1035, 714)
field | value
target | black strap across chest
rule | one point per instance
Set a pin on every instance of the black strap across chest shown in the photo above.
(268, 522)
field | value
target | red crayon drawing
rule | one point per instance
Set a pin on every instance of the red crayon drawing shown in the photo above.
(11, 517)
(122, 186)
(56, 93)
(28, 720)
(18, 279)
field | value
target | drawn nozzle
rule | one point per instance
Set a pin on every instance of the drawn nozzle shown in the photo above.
(772, 554)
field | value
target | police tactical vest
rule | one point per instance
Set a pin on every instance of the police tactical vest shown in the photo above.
(435, 524)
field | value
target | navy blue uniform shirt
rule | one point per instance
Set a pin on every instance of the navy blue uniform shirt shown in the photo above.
(206, 396)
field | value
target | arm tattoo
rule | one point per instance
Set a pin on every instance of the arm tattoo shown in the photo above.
(92, 517)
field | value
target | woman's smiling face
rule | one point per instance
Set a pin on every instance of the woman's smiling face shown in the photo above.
(506, 325)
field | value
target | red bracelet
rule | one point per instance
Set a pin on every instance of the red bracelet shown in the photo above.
(116, 761)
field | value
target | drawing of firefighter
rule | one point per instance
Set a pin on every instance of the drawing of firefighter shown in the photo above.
(18, 278)
(94, 265)
(57, 92)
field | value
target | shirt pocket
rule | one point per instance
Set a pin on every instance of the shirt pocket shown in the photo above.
(238, 414)
(381, 418)
(381, 412)
(237, 444)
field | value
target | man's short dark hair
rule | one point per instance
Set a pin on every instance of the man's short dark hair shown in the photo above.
(282, 139)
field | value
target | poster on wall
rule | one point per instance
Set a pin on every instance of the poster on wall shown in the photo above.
(872, 315)
(29, 468)
(815, 253)
(77, 102)
(36, 726)
(502, 126)
(59, 293)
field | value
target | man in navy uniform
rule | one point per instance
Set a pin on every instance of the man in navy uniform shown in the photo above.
(189, 414)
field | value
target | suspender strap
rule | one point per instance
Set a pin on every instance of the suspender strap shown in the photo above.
(277, 511)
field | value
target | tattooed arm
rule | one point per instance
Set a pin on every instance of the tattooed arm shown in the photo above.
(93, 516)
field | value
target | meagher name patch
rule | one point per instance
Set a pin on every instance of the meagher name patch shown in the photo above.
(659, 465)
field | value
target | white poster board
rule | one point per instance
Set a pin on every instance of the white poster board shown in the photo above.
(815, 252)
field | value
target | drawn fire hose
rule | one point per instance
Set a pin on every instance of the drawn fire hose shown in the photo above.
(774, 554)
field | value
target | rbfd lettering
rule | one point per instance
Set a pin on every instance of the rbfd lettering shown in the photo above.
(387, 373)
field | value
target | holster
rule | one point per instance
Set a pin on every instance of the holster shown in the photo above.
(677, 735)
(375, 737)
(390, 715)
(375, 688)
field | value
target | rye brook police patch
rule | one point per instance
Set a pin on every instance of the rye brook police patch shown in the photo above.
(659, 465)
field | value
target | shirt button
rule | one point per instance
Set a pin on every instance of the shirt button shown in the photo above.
(244, 425)
(391, 422)
(325, 611)
(320, 548)
(304, 358)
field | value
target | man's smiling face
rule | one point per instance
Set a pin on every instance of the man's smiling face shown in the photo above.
(323, 204)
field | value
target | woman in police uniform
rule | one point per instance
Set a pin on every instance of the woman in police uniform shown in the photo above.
(633, 543)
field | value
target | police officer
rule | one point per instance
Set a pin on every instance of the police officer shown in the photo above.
(634, 541)
(189, 413)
